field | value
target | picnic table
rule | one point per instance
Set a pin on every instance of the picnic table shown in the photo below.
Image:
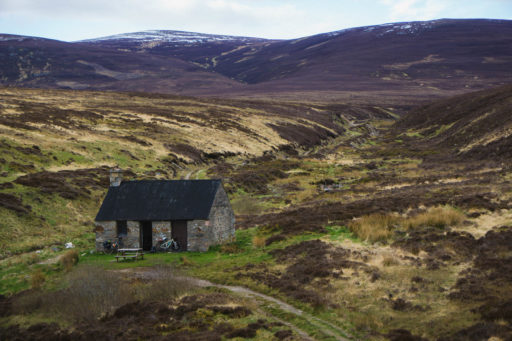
(129, 253)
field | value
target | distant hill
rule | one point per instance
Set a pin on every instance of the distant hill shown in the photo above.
(475, 125)
(44, 63)
(414, 62)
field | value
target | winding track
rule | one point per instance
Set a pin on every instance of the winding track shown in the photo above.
(326, 327)
(315, 321)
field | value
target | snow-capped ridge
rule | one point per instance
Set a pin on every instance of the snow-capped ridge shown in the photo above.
(171, 37)
(401, 28)
(397, 28)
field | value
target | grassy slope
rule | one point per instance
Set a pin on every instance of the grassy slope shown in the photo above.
(370, 289)
(76, 136)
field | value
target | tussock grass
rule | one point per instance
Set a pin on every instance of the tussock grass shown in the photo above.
(374, 227)
(389, 260)
(259, 241)
(37, 279)
(69, 259)
(439, 216)
(379, 227)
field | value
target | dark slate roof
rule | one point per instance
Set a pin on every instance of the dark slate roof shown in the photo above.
(159, 200)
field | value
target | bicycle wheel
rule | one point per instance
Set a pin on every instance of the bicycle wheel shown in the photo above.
(107, 247)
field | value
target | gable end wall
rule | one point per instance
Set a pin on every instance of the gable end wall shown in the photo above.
(220, 228)
(222, 219)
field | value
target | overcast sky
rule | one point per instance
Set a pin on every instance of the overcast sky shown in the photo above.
(74, 20)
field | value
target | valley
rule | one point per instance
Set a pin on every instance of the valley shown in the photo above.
(378, 221)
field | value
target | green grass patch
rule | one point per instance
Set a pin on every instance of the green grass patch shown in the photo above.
(340, 233)
(14, 278)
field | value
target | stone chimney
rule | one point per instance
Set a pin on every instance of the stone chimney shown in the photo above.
(116, 177)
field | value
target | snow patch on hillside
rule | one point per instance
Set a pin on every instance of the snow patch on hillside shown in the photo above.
(9, 37)
(408, 28)
(380, 30)
(179, 37)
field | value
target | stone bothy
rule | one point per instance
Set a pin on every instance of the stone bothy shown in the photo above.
(196, 213)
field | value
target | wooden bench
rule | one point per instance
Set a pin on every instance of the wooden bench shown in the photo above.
(133, 253)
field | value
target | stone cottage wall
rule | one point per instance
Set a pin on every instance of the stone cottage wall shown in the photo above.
(105, 230)
(161, 230)
(198, 236)
(222, 219)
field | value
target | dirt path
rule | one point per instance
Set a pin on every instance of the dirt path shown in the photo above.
(189, 174)
(325, 326)
(315, 321)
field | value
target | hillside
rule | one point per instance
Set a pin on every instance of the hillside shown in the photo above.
(405, 63)
(475, 126)
(348, 234)
(43, 63)
(441, 54)
(61, 142)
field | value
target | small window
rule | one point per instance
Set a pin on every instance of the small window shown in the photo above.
(122, 228)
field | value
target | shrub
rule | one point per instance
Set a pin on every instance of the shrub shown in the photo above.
(92, 292)
(374, 227)
(69, 259)
(37, 279)
(439, 216)
(259, 241)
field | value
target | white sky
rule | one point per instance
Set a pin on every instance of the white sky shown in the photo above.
(74, 20)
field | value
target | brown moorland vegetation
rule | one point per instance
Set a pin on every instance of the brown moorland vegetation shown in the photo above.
(310, 221)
